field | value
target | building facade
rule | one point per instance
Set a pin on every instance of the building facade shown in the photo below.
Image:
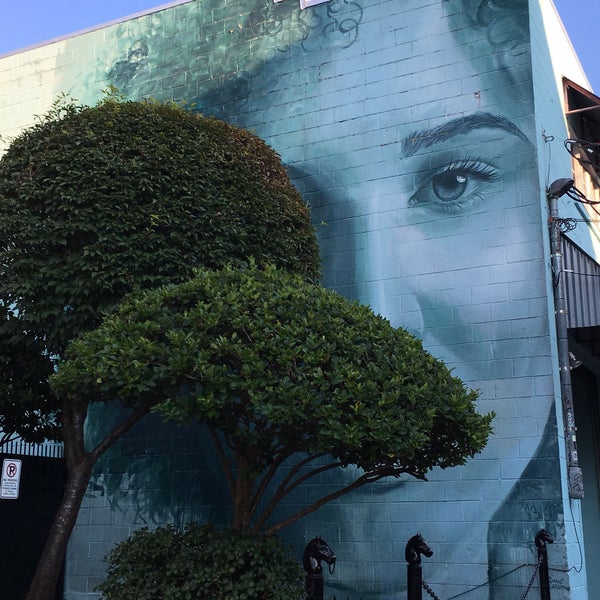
(424, 134)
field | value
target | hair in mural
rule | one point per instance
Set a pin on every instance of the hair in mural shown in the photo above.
(505, 25)
(505, 22)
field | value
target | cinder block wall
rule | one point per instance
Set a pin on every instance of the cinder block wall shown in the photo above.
(409, 128)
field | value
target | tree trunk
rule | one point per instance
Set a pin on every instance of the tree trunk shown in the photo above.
(242, 497)
(79, 468)
(43, 585)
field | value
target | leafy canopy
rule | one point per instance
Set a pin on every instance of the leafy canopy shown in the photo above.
(98, 201)
(278, 366)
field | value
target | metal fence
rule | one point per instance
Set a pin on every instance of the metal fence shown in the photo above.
(318, 551)
(20, 448)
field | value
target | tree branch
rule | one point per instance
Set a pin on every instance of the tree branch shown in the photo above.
(364, 479)
(282, 491)
(134, 417)
(297, 468)
(265, 480)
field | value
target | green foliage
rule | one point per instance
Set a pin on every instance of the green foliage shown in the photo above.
(280, 366)
(200, 563)
(24, 372)
(96, 202)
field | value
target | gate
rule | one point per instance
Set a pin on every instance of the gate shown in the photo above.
(25, 521)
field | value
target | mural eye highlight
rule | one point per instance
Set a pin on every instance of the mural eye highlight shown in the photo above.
(455, 187)
(449, 186)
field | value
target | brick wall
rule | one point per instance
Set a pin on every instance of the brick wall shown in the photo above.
(409, 128)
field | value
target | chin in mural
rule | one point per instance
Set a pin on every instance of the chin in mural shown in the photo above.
(407, 126)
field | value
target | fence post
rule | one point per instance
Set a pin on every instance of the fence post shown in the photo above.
(412, 553)
(541, 539)
(316, 550)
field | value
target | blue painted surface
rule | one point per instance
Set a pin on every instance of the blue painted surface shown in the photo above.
(410, 128)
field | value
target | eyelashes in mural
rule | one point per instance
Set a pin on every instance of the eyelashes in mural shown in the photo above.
(457, 186)
(450, 182)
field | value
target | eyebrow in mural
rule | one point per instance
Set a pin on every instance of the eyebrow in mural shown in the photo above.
(459, 126)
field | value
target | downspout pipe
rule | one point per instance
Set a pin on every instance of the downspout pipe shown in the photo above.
(575, 476)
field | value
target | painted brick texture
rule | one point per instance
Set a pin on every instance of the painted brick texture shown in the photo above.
(409, 128)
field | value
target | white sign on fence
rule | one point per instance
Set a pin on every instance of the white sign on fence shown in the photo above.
(11, 477)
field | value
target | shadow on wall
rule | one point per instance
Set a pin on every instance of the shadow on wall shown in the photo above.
(159, 473)
(533, 504)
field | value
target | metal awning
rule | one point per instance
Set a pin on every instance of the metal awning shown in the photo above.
(581, 278)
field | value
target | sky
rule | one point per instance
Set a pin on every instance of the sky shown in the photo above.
(27, 22)
(581, 19)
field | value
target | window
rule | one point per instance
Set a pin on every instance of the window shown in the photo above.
(583, 120)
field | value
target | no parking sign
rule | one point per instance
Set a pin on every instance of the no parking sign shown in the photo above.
(11, 477)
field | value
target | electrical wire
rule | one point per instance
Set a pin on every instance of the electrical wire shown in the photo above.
(571, 272)
(579, 196)
(579, 149)
(574, 568)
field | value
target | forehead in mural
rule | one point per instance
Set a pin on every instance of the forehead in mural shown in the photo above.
(504, 33)
(201, 55)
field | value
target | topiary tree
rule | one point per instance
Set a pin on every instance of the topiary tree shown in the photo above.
(98, 201)
(198, 563)
(281, 371)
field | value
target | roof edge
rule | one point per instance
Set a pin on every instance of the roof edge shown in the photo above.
(79, 32)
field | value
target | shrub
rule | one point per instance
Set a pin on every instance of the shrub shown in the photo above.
(201, 563)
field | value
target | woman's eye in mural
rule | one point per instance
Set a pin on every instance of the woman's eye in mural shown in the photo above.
(456, 186)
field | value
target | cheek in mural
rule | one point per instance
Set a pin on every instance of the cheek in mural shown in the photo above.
(439, 252)
(459, 205)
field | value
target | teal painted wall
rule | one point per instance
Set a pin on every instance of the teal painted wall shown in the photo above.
(409, 126)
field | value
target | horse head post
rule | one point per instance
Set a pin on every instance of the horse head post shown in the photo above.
(542, 538)
(316, 552)
(415, 547)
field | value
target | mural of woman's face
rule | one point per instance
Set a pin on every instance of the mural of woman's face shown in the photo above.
(438, 217)
(436, 248)
(410, 137)
(437, 225)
